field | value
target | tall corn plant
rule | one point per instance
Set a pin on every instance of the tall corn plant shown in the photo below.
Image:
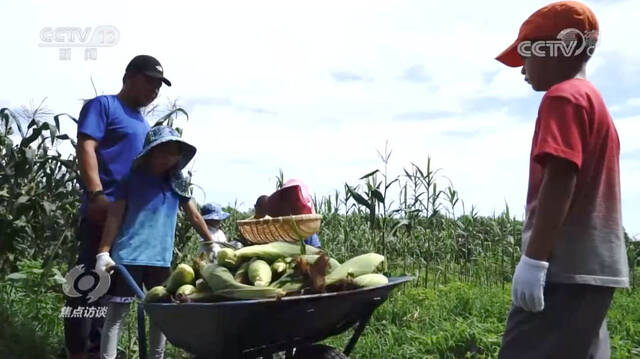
(38, 189)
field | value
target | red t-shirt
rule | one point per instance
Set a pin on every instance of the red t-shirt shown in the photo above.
(574, 124)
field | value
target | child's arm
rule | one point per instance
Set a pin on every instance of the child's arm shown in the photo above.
(112, 225)
(554, 200)
(196, 220)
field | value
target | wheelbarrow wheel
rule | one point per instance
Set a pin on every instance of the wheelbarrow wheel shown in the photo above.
(319, 351)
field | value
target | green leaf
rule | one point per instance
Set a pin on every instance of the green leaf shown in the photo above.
(56, 119)
(358, 197)
(17, 276)
(33, 123)
(390, 183)
(377, 195)
(168, 116)
(48, 207)
(57, 277)
(369, 174)
(31, 138)
(22, 199)
(19, 126)
(52, 132)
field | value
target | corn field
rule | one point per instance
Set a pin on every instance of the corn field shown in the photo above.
(415, 219)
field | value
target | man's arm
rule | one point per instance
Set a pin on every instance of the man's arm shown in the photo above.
(554, 200)
(88, 162)
(196, 219)
(112, 225)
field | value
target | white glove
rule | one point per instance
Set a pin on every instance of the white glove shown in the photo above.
(528, 284)
(103, 262)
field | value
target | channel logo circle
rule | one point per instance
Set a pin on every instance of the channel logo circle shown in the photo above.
(90, 284)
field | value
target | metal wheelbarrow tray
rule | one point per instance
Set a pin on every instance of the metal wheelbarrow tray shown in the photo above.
(255, 328)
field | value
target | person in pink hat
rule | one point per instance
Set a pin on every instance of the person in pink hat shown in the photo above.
(293, 198)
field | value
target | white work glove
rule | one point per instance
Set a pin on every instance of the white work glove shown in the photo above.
(103, 262)
(528, 284)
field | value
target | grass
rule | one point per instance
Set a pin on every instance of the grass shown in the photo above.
(466, 321)
(457, 320)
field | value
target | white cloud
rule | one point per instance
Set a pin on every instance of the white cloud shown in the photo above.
(257, 77)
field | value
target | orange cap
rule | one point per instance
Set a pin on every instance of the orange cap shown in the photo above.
(547, 23)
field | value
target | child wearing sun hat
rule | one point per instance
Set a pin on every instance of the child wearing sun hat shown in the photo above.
(140, 229)
(214, 215)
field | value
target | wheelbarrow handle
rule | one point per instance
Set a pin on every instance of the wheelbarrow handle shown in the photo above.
(124, 273)
(223, 244)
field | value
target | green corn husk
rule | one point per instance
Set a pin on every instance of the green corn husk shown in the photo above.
(227, 258)
(195, 264)
(272, 251)
(219, 277)
(222, 283)
(183, 274)
(157, 294)
(355, 267)
(251, 292)
(259, 273)
(311, 258)
(199, 296)
(185, 290)
(242, 275)
(370, 280)
(201, 285)
(290, 282)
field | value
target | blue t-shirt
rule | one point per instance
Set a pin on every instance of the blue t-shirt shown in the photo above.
(149, 224)
(120, 132)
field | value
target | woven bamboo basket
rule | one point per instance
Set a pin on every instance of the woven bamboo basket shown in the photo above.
(286, 228)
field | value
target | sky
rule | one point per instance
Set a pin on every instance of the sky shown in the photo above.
(317, 88)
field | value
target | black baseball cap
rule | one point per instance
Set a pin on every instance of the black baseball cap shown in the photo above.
(149, 66)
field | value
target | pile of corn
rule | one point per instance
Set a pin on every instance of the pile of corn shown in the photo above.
(267, 271)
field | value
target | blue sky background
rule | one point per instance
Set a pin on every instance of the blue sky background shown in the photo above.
(315, 88)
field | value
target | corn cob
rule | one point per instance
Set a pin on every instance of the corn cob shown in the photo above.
(370, 280)
(278, 268)
(259, 273)
(355, 267)
(185, 289)
(157, 294)
(241, 275)
(183, 274)
(200, 295)
(272, 251)
(227, 258)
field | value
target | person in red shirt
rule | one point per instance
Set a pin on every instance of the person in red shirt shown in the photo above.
(573, 251)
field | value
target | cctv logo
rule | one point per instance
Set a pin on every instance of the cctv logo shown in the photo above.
(101, 36)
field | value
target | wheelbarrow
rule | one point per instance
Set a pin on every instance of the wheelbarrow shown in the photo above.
(261, 328)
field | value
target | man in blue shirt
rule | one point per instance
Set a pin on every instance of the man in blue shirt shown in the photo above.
(111, 133)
